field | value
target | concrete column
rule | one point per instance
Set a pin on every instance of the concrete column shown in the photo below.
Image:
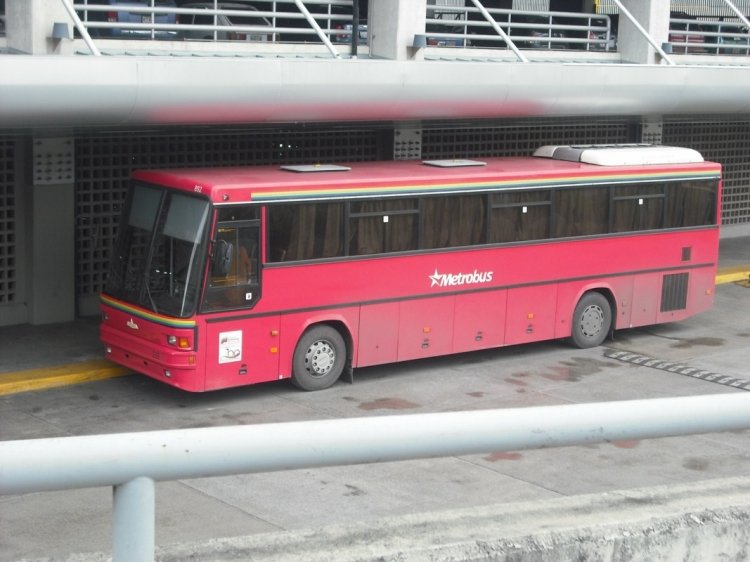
(51, 231)
(407, 142)
(29, 26)
(392, 27)
(651, 129)
(653, 15)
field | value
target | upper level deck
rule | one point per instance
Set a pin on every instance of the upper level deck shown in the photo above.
(167, 62)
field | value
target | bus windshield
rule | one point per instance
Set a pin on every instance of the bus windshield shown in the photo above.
(159, 253)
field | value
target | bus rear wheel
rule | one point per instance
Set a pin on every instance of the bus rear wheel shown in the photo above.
(319, 358)
(592, 320)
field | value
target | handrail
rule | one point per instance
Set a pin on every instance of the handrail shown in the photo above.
(595, 29)
(81, 29)
(311, 20)
(499, 30)
(738, 13)
(172, 30)
(132, 462)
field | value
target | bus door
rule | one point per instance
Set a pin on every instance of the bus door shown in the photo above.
(241, 348)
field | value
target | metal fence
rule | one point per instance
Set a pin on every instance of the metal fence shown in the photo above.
(132, 462)
(466, 26)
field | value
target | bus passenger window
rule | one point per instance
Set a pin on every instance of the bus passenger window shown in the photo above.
(304, 232)
(581, 211)
(691, 203)
(451, 222)
(637, 207)
(383, 226)
(519, 216)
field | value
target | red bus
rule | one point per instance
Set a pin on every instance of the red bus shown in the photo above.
(232, 276)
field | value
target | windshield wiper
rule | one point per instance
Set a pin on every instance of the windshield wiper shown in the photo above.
(148, 293)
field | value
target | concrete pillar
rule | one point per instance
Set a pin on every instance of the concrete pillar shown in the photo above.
(652, 129)
(392, 27)
(51, 231)
(29, 26)
(407, 142)
(653, 15)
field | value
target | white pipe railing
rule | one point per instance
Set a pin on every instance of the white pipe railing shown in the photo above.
(132, 462)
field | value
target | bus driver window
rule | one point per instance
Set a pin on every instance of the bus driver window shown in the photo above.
(234, 273)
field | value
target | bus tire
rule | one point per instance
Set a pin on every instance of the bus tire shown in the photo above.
(319, 358)
(592, 320)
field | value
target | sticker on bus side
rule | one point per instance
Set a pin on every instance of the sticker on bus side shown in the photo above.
(457, 279)
(230, 346)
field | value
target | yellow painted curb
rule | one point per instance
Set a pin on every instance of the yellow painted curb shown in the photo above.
(51, 377)
(733, 274)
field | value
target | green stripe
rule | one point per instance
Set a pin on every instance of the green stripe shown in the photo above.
(159, 319)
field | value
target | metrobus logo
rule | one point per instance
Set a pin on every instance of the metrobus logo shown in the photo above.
(438, 279)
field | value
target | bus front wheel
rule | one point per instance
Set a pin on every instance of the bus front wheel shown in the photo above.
(592, 320)
(319, 358)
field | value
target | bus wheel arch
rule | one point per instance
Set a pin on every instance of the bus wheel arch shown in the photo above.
(593, 318)
(322, 354)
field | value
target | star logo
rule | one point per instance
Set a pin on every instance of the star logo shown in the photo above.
(436, 279)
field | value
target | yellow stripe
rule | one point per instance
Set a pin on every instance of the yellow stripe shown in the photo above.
(733, 274)
(51, 377)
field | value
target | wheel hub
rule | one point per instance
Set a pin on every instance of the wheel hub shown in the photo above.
(592, 321)
(320, 358)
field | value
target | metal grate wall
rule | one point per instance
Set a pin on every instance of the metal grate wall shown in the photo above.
(8, 224)
(523, 136)
(726, 142)
(104, 163)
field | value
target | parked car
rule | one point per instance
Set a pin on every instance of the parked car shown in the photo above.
(119, 14)
(248, 19)
(346, 37)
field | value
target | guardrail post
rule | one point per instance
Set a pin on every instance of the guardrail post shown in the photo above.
(134, 521)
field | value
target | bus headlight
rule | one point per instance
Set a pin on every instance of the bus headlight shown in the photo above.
(182, 343)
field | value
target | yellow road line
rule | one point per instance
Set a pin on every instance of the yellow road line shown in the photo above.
(733, 274)
(51, 377)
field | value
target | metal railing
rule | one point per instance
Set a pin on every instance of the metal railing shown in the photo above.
(719, 37)
(332, 23)
(459, 26)
(259, 20)
(132, 462)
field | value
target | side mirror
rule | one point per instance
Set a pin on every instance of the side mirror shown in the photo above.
(222, 258)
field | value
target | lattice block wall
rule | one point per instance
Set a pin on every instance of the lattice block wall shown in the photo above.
(724, 141)
(8, 225)
(523, 136)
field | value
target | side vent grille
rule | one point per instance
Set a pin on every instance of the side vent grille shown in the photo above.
(674, 292)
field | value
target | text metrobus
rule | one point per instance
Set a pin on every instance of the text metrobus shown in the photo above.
(232, 276)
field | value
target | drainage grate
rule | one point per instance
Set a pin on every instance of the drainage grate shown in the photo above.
(678, 368)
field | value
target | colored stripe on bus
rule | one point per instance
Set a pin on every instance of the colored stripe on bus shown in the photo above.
(462, 187)
(146, 315)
